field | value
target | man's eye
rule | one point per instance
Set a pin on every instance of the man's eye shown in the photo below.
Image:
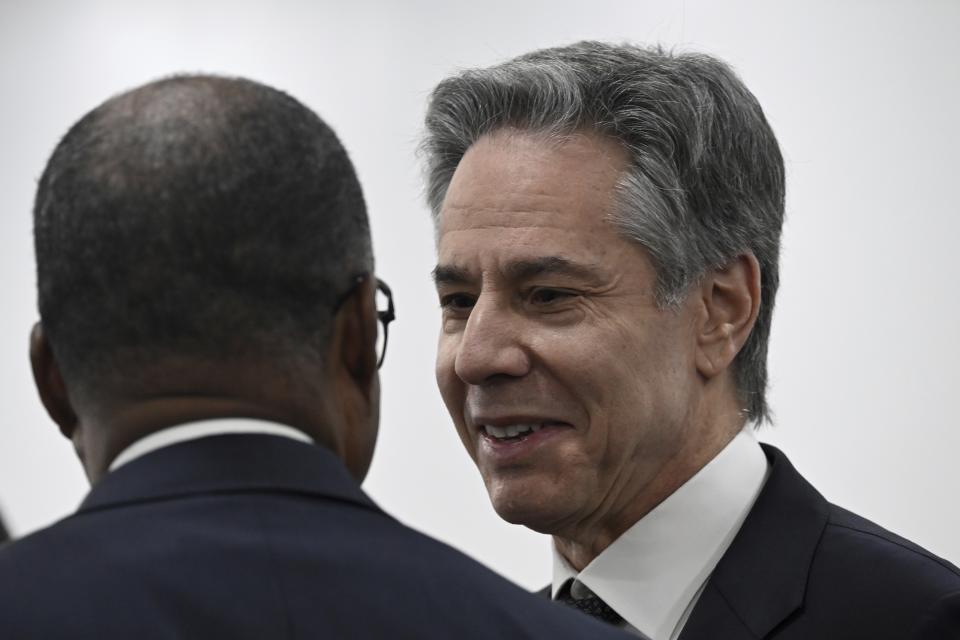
(456, 302)
(548, 296)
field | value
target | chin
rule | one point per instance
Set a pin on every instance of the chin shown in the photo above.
(524, 503)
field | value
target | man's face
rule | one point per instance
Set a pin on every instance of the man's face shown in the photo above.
(569, 387)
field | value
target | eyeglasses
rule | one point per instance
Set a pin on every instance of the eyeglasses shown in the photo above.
(385, 312)
(386, 315)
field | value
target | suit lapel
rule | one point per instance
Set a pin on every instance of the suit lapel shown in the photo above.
(714, 618)
(762, 577)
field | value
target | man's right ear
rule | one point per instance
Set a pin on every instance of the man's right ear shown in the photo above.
(356, 336)
(49, 381)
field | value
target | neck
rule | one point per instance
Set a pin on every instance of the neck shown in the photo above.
(101, 440)
(584, 541)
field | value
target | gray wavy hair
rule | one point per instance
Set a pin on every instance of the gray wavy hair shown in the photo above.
(705, 182)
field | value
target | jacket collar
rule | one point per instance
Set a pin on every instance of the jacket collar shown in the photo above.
(763, 576)
(227, 464)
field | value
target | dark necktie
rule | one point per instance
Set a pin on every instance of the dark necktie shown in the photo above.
(591, 604)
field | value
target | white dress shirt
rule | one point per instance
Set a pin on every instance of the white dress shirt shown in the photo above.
(654, 573)
(202, 429)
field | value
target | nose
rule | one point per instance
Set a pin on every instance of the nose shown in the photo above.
(491, 345)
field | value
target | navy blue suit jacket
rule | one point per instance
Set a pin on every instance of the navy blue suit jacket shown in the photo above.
(802, 568)
(254, 536)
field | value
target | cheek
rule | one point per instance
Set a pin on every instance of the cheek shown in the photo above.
(445, 371)
(651, 403)
(620, 377)
(596, 367)
(452, 389)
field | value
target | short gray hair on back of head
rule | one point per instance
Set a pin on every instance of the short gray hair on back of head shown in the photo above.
(705, 182)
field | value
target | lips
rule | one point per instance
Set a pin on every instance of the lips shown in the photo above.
(511, 430)
(503, 427)
(513, 439)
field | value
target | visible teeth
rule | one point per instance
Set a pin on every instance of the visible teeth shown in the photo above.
(496, 432)
(512, 430)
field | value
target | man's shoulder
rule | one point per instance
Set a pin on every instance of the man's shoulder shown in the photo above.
(846, 526)
(852, 550)
(258, 562)
(841, 535)
(34, 549)
(865, 577)
(806, 567)
(877, 556)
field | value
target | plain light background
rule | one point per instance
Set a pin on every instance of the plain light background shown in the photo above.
(862, 95)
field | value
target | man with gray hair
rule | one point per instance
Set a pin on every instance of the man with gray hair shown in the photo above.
(608, 226)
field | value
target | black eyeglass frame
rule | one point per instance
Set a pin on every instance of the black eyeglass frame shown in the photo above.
(385, 317)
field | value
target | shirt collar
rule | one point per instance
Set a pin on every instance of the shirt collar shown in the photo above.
(653, 572)
(202, 429)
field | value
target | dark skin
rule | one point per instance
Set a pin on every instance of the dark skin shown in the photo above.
(336, 403)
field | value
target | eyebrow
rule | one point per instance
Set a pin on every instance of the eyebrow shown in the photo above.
(449, 274)
(520, 270)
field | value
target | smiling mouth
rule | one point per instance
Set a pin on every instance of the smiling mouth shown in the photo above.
(511, 431)
(507, 433)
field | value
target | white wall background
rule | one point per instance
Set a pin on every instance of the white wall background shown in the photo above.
(863, 97)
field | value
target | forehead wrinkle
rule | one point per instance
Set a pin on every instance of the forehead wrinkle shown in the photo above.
(509, 215)
(519, 269)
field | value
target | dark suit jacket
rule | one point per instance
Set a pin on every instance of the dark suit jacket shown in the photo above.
(4, 536)
(802, 568)
(254, 536)
(943, 621)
